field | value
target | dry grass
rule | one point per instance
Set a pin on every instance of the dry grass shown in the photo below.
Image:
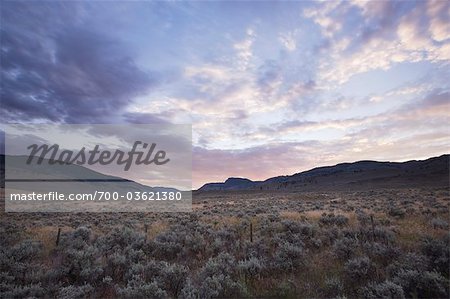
(47, 235)
(155, 229)
(291, 215)
(413, 228)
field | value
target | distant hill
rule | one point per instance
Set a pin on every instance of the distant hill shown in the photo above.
(351, 176)
(71, 174)
(230, 184)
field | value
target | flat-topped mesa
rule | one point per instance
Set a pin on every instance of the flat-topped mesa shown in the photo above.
(232, 183)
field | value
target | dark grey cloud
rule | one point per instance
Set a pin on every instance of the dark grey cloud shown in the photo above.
(53, 67)
(145, 118)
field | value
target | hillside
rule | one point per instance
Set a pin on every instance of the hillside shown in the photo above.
(72, 175)
(351, 176)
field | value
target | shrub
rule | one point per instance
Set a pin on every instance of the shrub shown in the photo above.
(167, 246)
(83, 233)
(438, 251)
(289, 257)
(138, 288)
(363, 218)
(301, 228)
(381, 252)
(439, 223)
(189, 291)
(344, 248)
(383, 234)
(358, 269)
(223, 264)
(173, 277)
(410, 261)
(194, 244)
(18, 260)
(422, 284)
(396, 212)
(329, 235)
(331, 219)
(286, 289)
(218, 278)
(21, 291)
(251, 267)
(81, 265)
(10, 233)
(120, 238)
(387, 289)
(72, 292)
(333, 287)
(258, 248)
(148, 271)
(221, 286)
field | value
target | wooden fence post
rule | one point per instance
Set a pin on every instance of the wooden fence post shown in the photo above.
(146, 229)
(58, 236)
(373, 228)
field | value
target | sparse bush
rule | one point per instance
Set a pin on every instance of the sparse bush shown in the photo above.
(289, 257)
(223, 264)
(359, 268)
(381, 252)
(396, 212)
(383, 234)
(438, 252)
(25, 251)
(344, 248)
(306, 230)
(189, 291)
(439, 223)
(202, 255)
(167, 246)
(221, 286)
(73, 292)
(21, 291)
(331, 219)
(120, 238)
(333, 287)
(362, 217)
(387, 289)
(251, 268)
(138, 288)
(422, 284)
(329, 235)
(410, 261)
(172, 278)
(20, 264)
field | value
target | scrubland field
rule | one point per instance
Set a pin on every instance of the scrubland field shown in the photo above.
(389, 243)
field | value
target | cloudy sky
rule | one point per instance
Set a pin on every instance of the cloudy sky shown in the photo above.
(270, 88)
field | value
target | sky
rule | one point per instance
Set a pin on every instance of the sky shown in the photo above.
(270, 88)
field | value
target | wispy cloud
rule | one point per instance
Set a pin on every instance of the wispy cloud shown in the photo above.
(269, 88)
